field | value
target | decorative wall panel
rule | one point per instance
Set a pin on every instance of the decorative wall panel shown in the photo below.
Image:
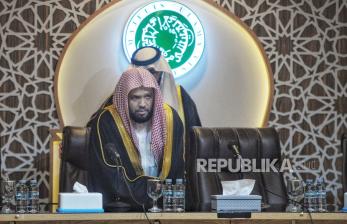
(306, 42)
(32, 36)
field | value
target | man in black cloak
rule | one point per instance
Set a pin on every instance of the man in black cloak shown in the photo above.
(134, 138)
(176, 96)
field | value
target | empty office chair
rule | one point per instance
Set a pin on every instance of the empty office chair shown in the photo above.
(74, 157)
(219, 143)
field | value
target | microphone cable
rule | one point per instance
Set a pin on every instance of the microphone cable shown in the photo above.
(119, 161)
(133, 197)
(235, 149)
(296, 202)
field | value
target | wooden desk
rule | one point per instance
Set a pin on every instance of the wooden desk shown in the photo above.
(173, 218)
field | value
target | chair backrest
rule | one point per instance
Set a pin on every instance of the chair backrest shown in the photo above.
(344, 169)
(74, 157)
(253, 143)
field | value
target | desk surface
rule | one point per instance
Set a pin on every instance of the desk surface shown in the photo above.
(196, 216)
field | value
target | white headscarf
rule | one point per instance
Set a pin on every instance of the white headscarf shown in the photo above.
(150, 57)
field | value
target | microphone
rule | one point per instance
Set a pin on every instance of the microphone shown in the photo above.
(235, 150)
(118, 205)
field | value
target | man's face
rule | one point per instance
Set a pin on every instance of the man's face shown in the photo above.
(155, 73)
(140, 102)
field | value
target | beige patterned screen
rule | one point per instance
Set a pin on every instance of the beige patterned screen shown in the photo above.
(305, 41)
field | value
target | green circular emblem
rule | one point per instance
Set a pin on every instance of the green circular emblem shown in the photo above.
(170, 26)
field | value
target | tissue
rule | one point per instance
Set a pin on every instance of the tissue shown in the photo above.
(79, 188)
(238, 187)
(236, 197)
(80, 201)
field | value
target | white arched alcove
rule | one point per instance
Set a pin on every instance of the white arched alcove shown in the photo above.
(231, 84)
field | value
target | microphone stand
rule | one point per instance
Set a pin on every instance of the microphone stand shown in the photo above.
(122, 173)
(238, 156)
(118, 205)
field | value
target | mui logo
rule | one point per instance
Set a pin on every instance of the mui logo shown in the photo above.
(170, 26)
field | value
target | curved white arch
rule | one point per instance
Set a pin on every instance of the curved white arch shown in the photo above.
(231, 85)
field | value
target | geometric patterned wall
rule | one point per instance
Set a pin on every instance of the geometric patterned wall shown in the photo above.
(305, 41)
(32, 36)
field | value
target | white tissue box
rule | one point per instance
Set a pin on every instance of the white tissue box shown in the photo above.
(80, 203)
(344, 209)
(236, 203)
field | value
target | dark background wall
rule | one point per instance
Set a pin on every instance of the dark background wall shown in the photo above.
(305, 41)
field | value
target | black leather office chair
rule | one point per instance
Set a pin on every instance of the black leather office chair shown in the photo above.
(253, 143)
(74, 157)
